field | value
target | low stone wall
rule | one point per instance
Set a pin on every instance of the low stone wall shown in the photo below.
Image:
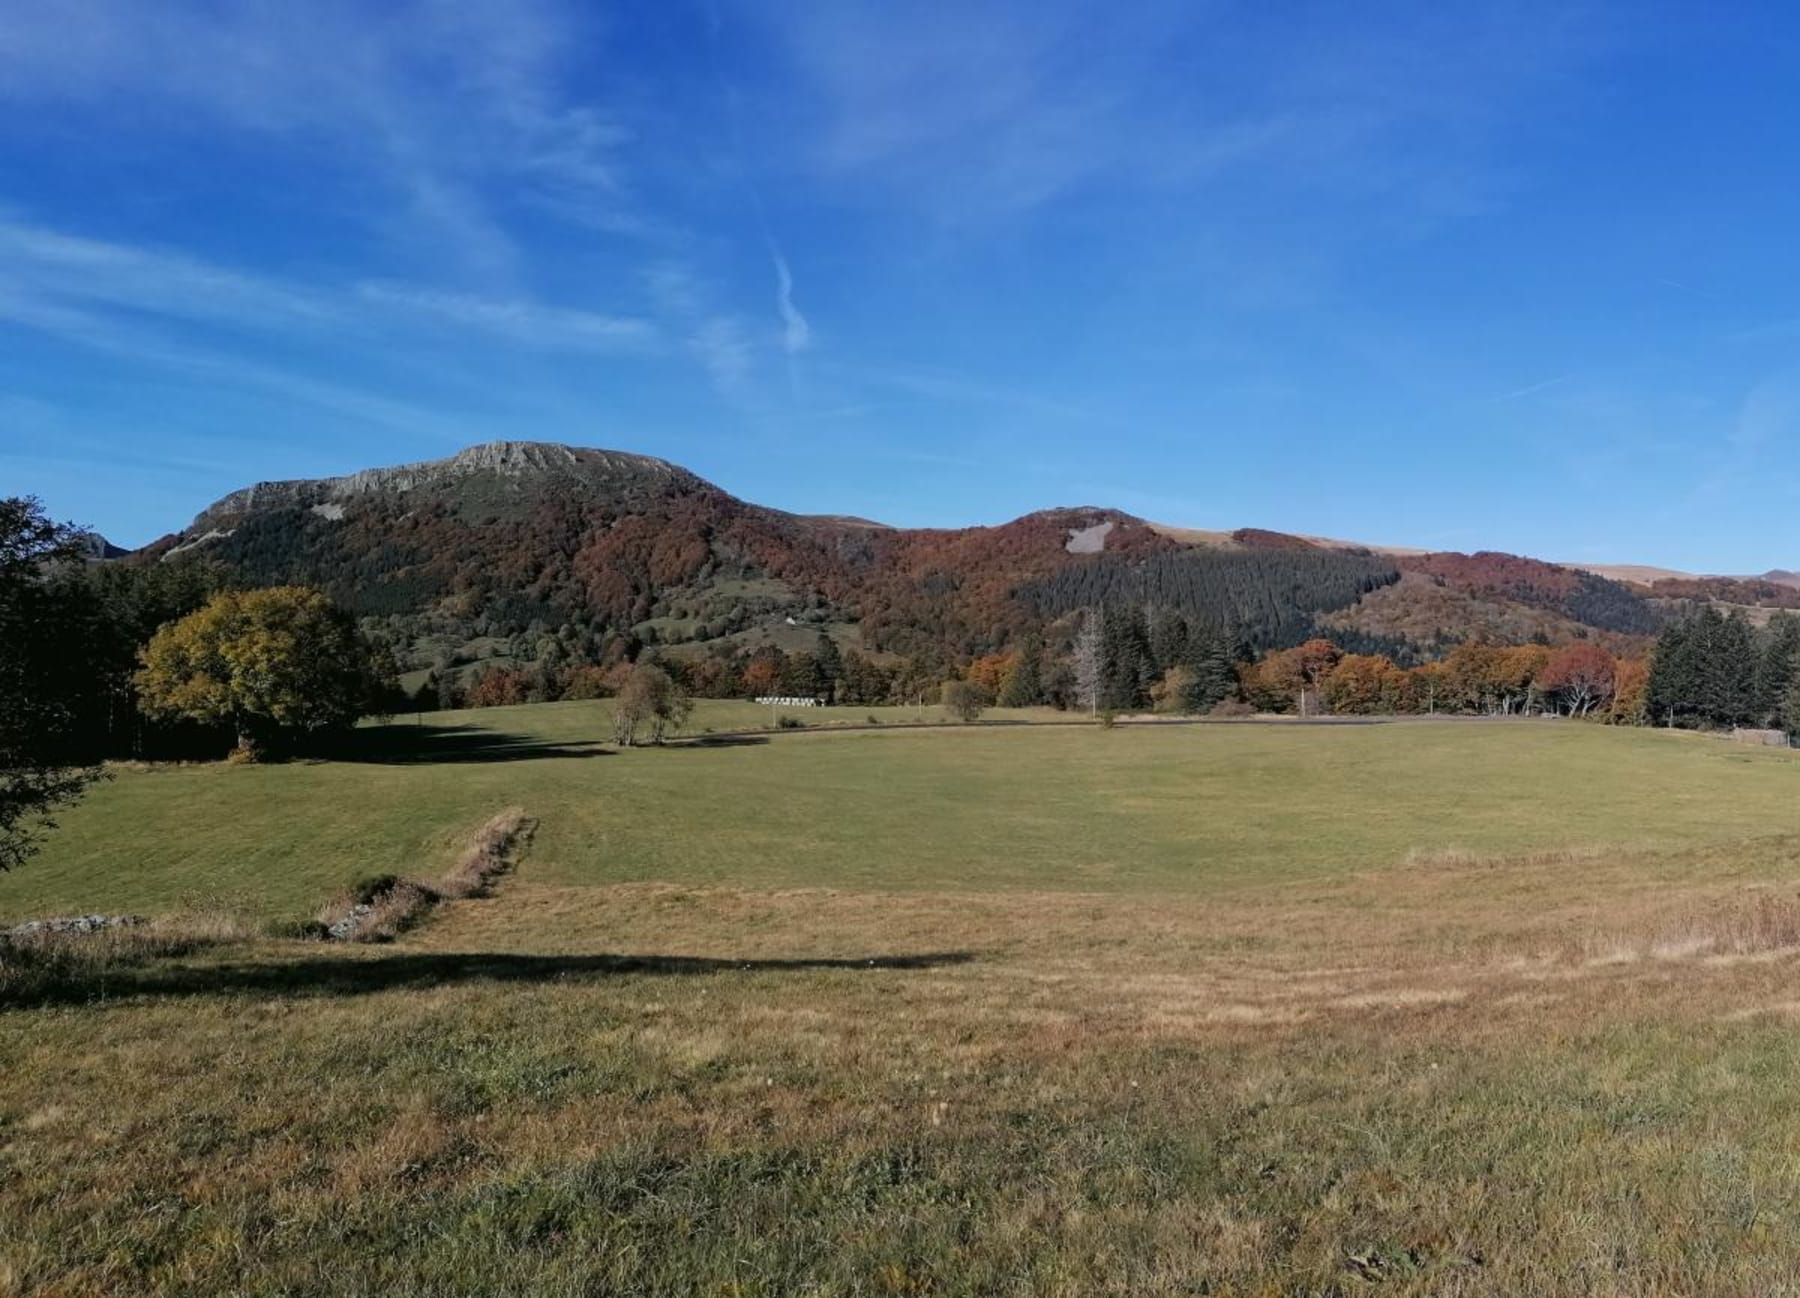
(71, 924)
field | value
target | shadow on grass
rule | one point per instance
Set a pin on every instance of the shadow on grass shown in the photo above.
(401, 744)
(352, 975)
(719, 741)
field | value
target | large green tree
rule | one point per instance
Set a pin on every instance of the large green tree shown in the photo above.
(1211, 676)
(1126, 665)
(118, 607)
(40, 644)
(1705, 672)
(1780, 646)
(830, 662)
(277, 666)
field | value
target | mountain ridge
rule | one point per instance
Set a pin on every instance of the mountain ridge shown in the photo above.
(504, 458)
(513, 540)
(519, 457)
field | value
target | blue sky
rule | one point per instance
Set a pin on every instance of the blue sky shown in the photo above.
(1509, 276)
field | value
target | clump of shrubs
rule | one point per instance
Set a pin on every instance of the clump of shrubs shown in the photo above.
(376, 909)
(366, 891)
(966, 700)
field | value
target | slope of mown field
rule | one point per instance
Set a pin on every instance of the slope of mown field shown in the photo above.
(1140, 807)
(1415, 1008)
(276, 840)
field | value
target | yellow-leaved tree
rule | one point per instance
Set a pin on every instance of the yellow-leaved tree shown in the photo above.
(276, 665)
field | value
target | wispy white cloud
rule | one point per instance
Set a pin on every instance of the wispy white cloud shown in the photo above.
(233, 330)
(1531, 389)
(138, 344)
(526, 323)
(52, 278)
(438, 104)
(58, 267)
(720, 344)
(989, 109)
(1768, 415)
(717, 338)
(796, 334)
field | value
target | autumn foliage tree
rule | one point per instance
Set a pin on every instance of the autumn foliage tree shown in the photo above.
(1363, 684)
(990, 671)
(1581, 676)
(276, 666)
(1296, 674)
(764, 672)
(499, 687)
(1631, 680)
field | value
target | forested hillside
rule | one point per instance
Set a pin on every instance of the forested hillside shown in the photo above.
(1582, 597)
(537, 560)
(1271, 594)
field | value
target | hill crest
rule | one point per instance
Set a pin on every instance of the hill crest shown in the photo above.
(514, 460)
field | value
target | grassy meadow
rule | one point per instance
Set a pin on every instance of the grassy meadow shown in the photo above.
(1420, 1008)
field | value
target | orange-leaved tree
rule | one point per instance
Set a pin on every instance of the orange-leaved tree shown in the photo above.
(1581, 675)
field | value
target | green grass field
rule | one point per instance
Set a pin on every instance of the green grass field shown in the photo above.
(1192, 809)
(1421, 1008)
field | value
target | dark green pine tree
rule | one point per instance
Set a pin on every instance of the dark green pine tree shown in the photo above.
(1238, 644)
(1126, 668)
(1780, 641)
(1024, 687)
(1211, 673)
(1790, 700)
(1671, 696)
(802, 677)
(1706, 672)
(830, 667)
(1731, 669)
(1168, 638)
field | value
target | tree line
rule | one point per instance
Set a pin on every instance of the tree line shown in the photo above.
(1706, 669)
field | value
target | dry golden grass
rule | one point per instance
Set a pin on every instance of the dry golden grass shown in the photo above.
(1446, 1087)
(30, 964)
